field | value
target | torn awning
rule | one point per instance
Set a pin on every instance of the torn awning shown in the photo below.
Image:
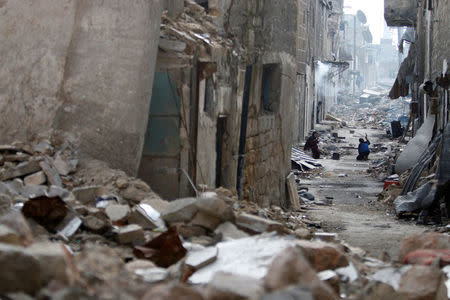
(404, 76)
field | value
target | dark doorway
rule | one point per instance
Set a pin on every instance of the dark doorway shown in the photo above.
(243, 134)
(221, 127)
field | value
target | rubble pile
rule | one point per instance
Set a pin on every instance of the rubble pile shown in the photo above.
(78, 229)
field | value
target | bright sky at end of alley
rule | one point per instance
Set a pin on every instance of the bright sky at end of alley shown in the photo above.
(374, 10)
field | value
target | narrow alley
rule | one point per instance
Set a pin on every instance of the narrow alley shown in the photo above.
(224, 149)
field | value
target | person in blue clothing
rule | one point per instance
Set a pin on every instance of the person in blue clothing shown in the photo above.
(363, 149)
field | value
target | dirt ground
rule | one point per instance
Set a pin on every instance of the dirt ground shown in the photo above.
(355, 214)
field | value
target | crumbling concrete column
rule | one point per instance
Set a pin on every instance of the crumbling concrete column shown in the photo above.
(79, 67)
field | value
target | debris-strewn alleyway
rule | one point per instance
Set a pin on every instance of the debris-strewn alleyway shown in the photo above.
(355, 212)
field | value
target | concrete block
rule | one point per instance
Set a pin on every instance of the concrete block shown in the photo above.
(181, 210)
(257, 224)
(36, 178)
(130, 234)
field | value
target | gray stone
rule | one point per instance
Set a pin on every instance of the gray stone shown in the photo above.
(423, 282)
(257, 224)
(20, 270)
(302, 233)
(86, 194)
(298, 292)
(205, 220)
(20, 170)
(56, 191)
(211, 204)
(117, 212)
(62, 166)
(181, 210)
(43, 147)
(95, 224)
(130, 234)
(33, 191)
(36, 178)
(51, 173)
(229, 231)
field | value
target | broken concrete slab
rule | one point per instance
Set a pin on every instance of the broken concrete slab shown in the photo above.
(117, 212)
(202, 258)
(130, 234)
(16, 221)
(86, 194)
(152, 275)
(257, 224)
(20, 170)
(249, 256)
(56, 191)
(95, 224)
(229, 231)
(181, 210)
(36, 178)
(51, 173)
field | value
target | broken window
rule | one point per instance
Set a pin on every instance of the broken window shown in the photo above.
(271, 87)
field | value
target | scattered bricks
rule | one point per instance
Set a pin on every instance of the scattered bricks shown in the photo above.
(181, 210)
(51, 173)
(20, 270)
(36, 178)
(86, 194)
(20, 170)
(291, 268)
(423, 282)
(323, 256)
(229, 231)
(212, 205)
(62, 166)
(130, 234)
(117, 212)
(53, 260)
(205, 220)
(257, 224)
(431, 240)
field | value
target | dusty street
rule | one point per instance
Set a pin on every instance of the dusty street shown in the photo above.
(355, 213)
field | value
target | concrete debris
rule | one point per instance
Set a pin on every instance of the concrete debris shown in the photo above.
(202, 258)
(229, 231)
(180, 210)
(117, 212)
(423, 282)
(35, 179)
(87, 194)
(257, 224)
(130, 234)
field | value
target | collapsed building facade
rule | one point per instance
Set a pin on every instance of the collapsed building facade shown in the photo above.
(189, 95)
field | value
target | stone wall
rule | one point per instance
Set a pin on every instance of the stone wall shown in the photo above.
(82, 68)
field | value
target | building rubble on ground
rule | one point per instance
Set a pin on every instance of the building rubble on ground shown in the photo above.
(71, 229)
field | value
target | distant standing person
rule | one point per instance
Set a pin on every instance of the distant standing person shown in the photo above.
(313, 144)
(363, 149)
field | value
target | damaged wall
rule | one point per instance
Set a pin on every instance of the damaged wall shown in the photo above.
(84, 68)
